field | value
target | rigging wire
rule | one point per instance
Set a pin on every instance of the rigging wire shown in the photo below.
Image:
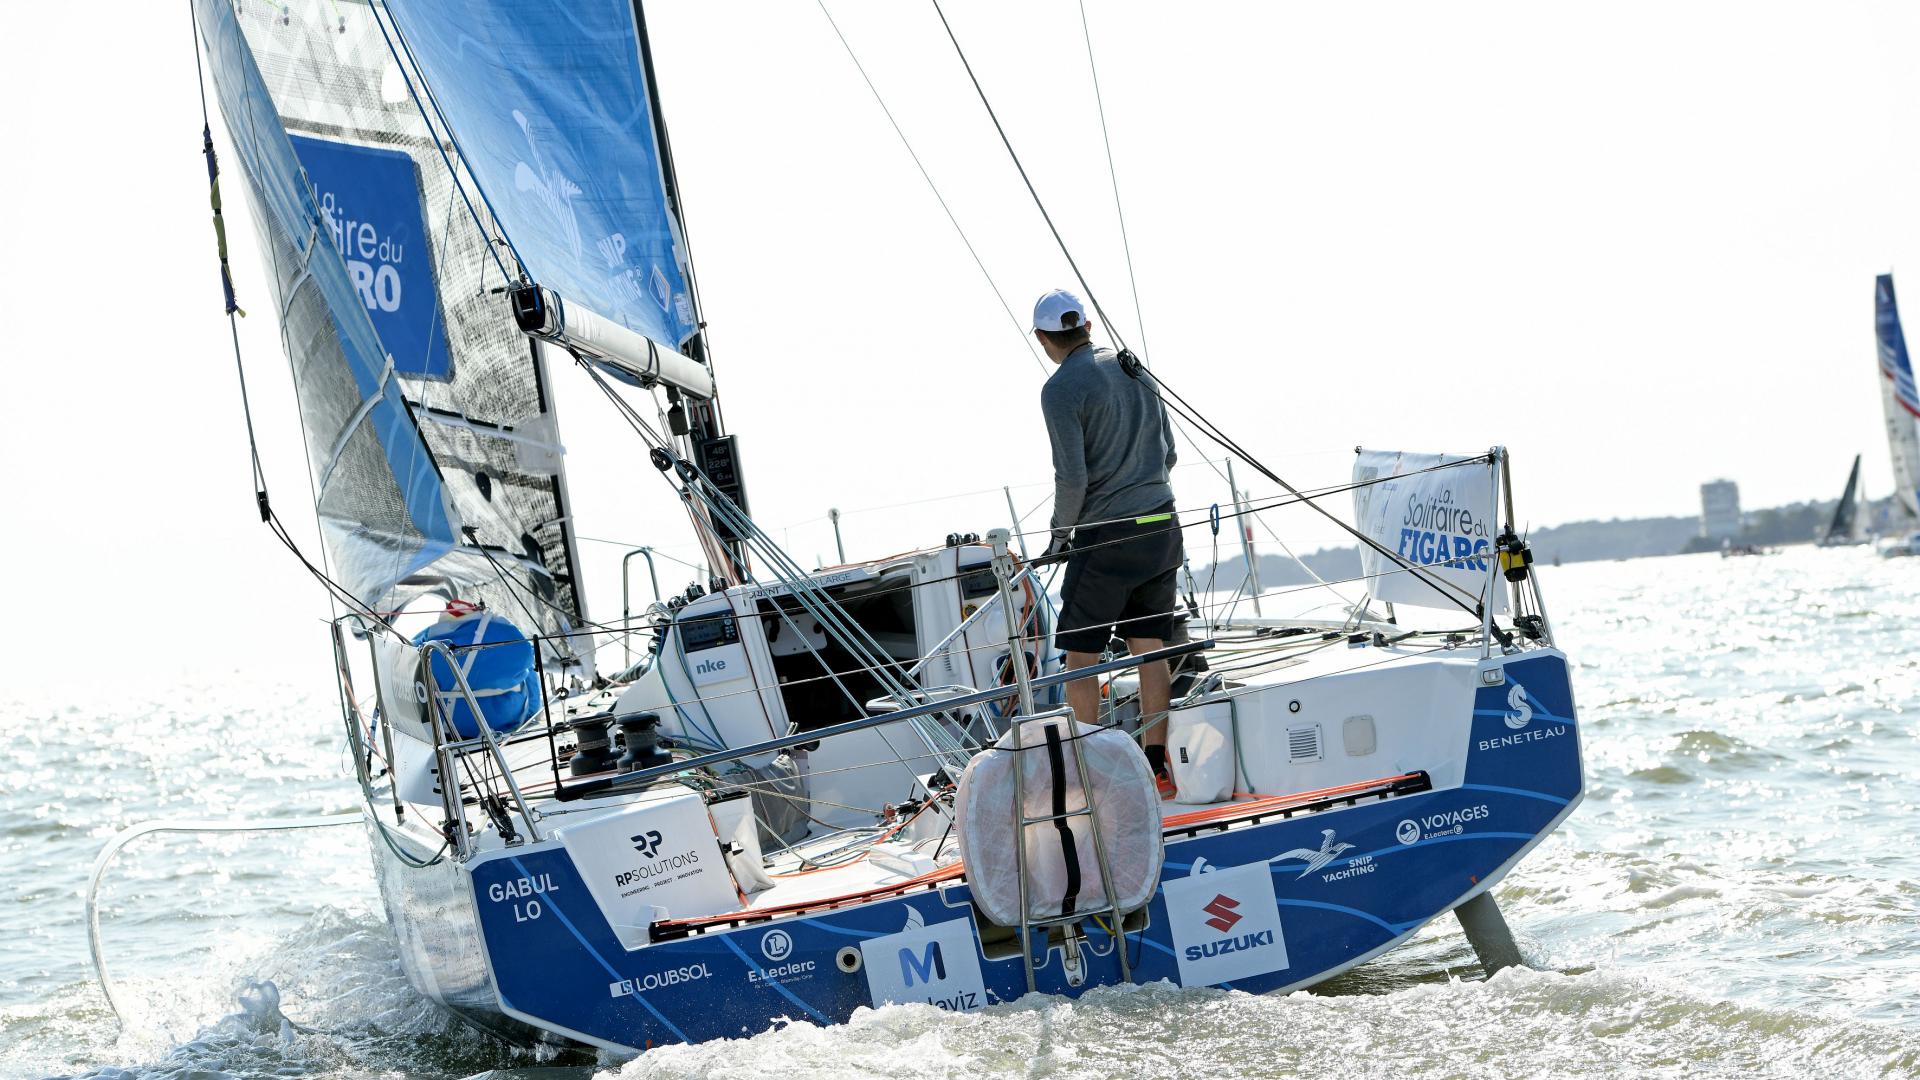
(1113, 174)
(1135, 367)
(1024, 178)
(928, 177)
(262, 501)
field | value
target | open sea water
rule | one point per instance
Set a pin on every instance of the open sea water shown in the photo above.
(1738, 896)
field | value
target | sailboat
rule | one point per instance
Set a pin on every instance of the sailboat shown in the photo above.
(818, 790)
(1900, 403)
(1847, 529)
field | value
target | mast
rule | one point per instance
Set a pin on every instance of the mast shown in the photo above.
(711, 447)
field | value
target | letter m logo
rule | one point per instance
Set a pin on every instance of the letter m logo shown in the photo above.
(929, 965)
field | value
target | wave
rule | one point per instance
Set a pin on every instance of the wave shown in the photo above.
(1521, 1022)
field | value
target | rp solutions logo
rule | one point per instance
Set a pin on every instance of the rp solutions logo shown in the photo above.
(646, 843)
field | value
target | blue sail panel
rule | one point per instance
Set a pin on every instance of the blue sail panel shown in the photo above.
(554, 119)
(1894, 363)
(383, 507)
(369, 199)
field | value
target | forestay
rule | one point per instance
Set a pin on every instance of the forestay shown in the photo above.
(1436, 512)
(434, 447)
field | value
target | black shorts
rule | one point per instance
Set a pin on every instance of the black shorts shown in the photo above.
(1120, 579)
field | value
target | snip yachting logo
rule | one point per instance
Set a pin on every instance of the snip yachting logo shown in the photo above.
(646, 843)
(1315, 858)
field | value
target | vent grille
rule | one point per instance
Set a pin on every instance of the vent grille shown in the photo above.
(1303, 743)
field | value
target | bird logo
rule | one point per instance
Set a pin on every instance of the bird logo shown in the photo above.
(1315, 858)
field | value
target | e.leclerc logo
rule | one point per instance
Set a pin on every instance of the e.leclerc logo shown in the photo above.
(777, 946)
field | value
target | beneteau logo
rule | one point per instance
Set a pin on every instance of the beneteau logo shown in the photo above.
(549, 183)
(1221, 908)
(1522, 712)
(1315, 858)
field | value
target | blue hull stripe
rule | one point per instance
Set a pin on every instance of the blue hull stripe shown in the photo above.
(611, 971)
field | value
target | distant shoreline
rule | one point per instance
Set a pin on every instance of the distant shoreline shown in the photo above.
(1585, 541)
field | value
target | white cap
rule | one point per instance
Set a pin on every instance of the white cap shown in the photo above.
(1050, 311)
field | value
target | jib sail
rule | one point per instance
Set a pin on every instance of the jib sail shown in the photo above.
(434, 447)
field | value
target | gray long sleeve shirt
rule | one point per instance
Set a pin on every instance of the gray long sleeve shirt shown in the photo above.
(1112, 444)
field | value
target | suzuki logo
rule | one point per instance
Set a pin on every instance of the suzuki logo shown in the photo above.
(1221, 908)
(930, 965)
(646, 843)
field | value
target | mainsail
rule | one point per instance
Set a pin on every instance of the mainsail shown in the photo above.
(1897, 396)
(434, 446)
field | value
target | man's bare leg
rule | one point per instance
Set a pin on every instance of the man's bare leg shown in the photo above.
(1156, 692)
(1084, 694)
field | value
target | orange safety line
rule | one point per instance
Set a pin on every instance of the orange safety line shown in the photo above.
(1252, 809)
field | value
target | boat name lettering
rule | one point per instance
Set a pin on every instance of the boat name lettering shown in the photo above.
(659, 979)
(501, 891)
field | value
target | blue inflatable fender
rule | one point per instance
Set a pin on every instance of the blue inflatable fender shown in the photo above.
(502, 675)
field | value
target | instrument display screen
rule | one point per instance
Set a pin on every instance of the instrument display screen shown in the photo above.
(708, 632)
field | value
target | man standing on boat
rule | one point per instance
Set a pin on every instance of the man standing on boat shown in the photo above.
(1112, 512)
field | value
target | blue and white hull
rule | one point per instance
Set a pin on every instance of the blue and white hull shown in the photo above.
(1258, 904)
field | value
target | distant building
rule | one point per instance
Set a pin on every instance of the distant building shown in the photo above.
(1719, 509)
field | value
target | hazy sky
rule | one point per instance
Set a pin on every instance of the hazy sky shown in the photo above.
(1633, 242)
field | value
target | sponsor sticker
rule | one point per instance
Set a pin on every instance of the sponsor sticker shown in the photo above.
(776, 946)
(1518, 717)
(935, 964)
(1325, 860)
(369, 200)
(658, 980)
(1225, 925)
(1439, 823)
